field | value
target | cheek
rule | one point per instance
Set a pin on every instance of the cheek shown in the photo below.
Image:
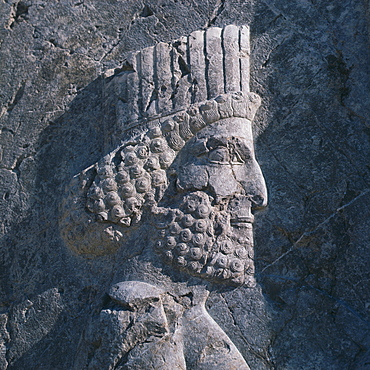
(246, 172)
(222, 180)
(242, 172)
(192, 177)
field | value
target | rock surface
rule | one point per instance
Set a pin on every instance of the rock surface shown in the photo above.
(310, 65)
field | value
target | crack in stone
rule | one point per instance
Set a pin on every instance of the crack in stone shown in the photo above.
(19, 11)
(264, 64)
(13, 102)
(323, 292)
(120, 35)
(265, 359)
(219, 8)
(340, 302)
(309, 233)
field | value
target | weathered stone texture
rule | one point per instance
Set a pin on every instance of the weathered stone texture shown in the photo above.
(309, 63)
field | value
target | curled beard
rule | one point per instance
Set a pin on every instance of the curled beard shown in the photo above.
(213, 242)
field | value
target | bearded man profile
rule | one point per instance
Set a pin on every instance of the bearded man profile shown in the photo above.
(174, 201)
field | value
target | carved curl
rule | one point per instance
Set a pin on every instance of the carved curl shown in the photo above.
(104, 201)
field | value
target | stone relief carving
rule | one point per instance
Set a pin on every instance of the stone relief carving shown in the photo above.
(186, 166)
(142, 326)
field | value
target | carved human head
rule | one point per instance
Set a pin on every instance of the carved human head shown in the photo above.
(186, 165)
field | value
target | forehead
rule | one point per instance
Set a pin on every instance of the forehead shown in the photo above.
(229, 127)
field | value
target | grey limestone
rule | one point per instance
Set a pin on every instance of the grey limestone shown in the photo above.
(184, 184)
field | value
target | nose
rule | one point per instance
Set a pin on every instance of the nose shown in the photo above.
(257, 191)
(244, 179)
(255, 186)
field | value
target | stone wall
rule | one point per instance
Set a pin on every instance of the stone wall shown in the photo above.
(310, 66)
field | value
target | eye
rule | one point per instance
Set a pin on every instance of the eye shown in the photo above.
(241, 151)
(236, 158)
(214, 143)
